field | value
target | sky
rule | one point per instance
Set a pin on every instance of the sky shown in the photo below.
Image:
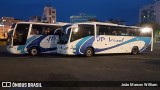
(127, 10)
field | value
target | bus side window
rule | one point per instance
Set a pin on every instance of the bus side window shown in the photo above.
(103, 30)
(90, 32)
(34, 31)
(122, 31)
(47, 31)
(131, 31)
(119, 32)
(114, 32)
(58, 32)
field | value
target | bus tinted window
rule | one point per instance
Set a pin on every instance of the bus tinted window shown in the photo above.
(86, 30)
(118, 31)
(103, 30)
(131, 32)
(58, 32)
(43, 29)
(122, 31)
(21, 33)
(83, 31)
(53, 29)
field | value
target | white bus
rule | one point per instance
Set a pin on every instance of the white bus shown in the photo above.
(91, 38)
(34, 38)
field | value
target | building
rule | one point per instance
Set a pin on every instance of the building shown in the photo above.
(5, 25)
(3, 31)
(35, 19)
(82, 17)
(150, 13)
(49, 14)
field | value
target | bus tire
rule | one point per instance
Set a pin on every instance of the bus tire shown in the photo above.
(135, 50)
(33, 51)
(89, 52)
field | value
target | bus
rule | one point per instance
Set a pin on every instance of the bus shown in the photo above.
(91, 38)
(34, 38)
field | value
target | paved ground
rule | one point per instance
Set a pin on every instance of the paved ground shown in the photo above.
(51, 67)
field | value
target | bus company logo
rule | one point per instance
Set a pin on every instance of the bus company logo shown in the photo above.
(101, 39)
(6, 84)
(116, 40)
(51, 38)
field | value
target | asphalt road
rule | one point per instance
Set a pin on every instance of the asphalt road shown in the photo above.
(54, 67)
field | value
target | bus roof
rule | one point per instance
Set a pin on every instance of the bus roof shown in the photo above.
(105, 23)
(60, 24)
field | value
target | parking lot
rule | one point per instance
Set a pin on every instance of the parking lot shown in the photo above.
(113, 67)
(54, 67)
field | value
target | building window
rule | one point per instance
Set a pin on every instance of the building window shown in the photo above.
(50, 19)
(50, 11)
(53, 16)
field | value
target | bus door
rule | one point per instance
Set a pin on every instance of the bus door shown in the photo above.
(20, 34)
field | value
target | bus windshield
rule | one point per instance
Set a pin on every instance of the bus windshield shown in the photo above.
(82, 31)
(64, 37)
(20, 34)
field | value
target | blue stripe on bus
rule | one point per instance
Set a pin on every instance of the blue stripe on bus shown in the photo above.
(89, 43)
(22, 47)
(37, 42)
(147, 41)
(81, 42)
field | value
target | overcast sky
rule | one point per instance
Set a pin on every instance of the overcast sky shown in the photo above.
(104, 9)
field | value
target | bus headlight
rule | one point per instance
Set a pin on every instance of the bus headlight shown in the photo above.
(146, 30)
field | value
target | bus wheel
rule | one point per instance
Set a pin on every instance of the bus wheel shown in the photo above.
(89, 52)
(33, 51)
(135, 50)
